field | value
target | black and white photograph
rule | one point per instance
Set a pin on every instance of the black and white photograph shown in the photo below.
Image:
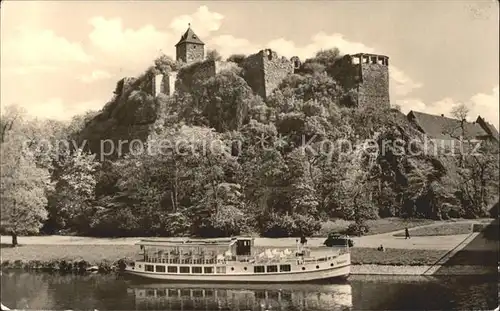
(249, 155)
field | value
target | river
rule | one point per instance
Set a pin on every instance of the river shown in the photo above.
(30, 290)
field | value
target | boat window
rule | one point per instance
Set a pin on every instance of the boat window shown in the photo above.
(260, 294)
(184, 269)
(196, 269)
(221, 269)
(273, 295)
(285, 268)
(259, 269)
(149, 268)
(286, 295)
(161, 293)
(150, 293)
(198, 293)
(272, 268)
(208, 269)
(160, 269)
(173, 292)
(185, 292)
(172, 269)
(209, 292)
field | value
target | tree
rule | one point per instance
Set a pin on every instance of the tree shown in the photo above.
(23, 183)
(165, 64)
(222, 102)
(476, 164)
(74, 196)
(237, 58)
(323, 61)
(213, 55)
(23, 195)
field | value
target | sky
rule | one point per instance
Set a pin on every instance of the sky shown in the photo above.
(62, 58)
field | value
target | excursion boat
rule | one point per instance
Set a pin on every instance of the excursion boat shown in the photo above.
(237, 260)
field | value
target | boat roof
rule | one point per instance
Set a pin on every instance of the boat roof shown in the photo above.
(187, 242)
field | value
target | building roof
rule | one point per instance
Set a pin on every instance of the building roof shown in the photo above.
(190, 37)
(441, 127)
(488, 127)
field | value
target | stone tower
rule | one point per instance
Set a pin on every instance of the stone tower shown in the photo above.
(190, 48)
(265, 70)
(373, 79)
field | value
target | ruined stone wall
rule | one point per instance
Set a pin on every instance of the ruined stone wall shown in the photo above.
(221, 65)
(253, 73)
(374, 87)
(157, 86)
(365, 74)
(275, 70)
(190, 52)
(265, 70)
(164, 84)
(190, 75)
(169, 83)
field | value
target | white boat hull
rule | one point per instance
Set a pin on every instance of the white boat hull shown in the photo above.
(338, 267)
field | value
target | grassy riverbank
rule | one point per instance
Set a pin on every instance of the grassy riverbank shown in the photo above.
(109, 255)
(440, 230)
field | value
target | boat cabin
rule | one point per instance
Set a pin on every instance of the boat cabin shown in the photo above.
(197, 251)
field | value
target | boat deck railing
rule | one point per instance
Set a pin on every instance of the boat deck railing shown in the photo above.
(268, 256)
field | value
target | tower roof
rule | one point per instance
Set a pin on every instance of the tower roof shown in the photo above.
(190, 37)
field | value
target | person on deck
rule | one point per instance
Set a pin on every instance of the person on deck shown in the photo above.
(303, 240)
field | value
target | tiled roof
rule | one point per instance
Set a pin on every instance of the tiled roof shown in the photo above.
(440, 127)
(488, 127)
(190, 37)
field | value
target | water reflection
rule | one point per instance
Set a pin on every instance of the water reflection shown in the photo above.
(44, 291)
(242, 297)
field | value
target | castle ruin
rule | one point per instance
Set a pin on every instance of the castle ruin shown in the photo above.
(263, 71)
(132, 116)
(367, 75)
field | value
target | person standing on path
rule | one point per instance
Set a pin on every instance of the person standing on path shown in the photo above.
(407, 233)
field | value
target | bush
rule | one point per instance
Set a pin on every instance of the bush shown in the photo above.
(289, 225)
(357, 228)
(177, 224)
(228, 221)
(236, 58)
(306, 225)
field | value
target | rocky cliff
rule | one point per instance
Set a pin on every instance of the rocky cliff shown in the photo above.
(129, 116)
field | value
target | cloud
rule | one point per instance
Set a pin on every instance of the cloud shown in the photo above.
(485, 105)
(401, 83)
(39, 50)
(138, 47)
(95, 76)
(135, 47)
(55, 108)
(203, 22)
(320, 41)
(28, 69)
(227, 45)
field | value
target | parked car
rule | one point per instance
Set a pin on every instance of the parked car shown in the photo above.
(335, 239)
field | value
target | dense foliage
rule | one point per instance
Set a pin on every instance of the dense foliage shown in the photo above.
(221, 162)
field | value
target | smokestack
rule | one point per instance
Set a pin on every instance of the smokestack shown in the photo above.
(442, 115)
